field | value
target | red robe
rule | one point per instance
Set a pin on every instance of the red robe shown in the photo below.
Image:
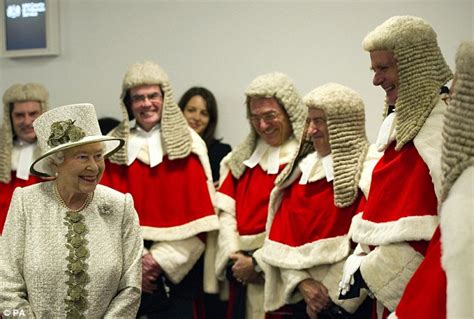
(308, 230)
(251, 194)
(307, 214)
(167, 196)
(402, 203)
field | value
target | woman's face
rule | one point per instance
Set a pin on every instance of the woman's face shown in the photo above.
(195, 112)
(82, 168)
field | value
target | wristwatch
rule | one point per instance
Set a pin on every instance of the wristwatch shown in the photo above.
(256, 266)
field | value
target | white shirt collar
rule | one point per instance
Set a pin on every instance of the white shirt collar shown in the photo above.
(146, 146)
(387, 132)
(328, 166)
(306, 166)
(22, 158)
(309, 171)
(262, 152)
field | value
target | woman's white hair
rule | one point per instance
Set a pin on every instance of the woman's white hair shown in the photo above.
(53, 161)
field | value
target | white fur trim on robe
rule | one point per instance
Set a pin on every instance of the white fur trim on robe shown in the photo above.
(387, 269)
(254, 302)
(224, 168)
(254, 297)
(288, 292)
(199, 148)
(405, 229)
(457, 240)
(428, 143)
(227, 242)
(176, 258)
(210, 280)
(225, 203)
(204, 224)
(325, 251)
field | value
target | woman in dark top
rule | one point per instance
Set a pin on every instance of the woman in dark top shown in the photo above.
(200, 110)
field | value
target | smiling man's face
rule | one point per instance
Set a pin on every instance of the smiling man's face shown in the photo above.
(385, 68)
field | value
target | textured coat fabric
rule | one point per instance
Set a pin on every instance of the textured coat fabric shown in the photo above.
(33, 250)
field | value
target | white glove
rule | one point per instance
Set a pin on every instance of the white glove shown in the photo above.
(350, 267)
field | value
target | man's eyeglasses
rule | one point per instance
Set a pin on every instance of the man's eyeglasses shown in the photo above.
(266, 117)
(153, 97)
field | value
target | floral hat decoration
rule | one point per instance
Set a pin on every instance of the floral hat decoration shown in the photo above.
(65, 127)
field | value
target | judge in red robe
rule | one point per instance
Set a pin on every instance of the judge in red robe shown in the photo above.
(22, 104)
(164, 165)
(276, 116)
(312, 206)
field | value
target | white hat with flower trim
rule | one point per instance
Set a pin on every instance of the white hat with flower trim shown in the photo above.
(65, 127)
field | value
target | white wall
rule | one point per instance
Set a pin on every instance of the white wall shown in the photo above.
(223, 45)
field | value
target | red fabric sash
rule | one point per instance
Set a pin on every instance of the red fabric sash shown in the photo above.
(401, 187)
(6, 192)
(171, 194)
(251, 194)
(307, 214)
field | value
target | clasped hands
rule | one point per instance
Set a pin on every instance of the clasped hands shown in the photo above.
(315, 295)
(243, 270)
(151, 270)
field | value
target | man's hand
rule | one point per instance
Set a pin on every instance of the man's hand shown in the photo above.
(243, 269)
(311, 314)
(151, 270)
(315, 295)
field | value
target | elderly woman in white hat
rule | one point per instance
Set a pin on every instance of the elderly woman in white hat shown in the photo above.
(70, 247)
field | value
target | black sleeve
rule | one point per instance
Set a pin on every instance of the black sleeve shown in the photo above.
(359, 284)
